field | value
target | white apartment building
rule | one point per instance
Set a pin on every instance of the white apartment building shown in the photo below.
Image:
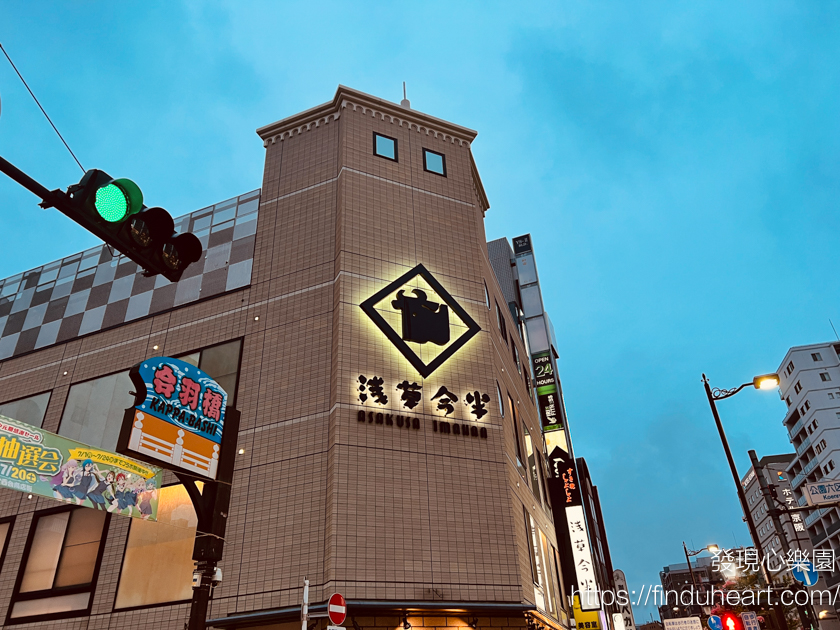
(810, 386)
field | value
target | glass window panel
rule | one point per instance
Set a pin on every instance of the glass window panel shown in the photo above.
(44, 553)
(222, 226)
(202, 223)
(549, 587)
(531, 302)
(248, 207)
(192, 359)
(81, 546)
(539, 565)
(434, 162)
(50, 605)
(532, 462)
(221, 361)
(386, 147)
(94, 410)
(151, 545)
(4, 535)
(220, 216)
(29, 410)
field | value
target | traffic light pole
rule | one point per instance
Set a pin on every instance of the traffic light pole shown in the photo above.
(212, 506)
(48, 197)
(777, 524)
(777, 606)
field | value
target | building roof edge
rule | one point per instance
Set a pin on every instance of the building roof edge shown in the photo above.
(345, 96)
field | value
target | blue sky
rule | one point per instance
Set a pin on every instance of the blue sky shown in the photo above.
(676, 163)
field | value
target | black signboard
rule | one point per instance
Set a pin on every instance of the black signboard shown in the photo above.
(522, 244)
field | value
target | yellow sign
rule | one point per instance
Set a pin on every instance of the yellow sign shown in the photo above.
(110, 459)
(586, 620)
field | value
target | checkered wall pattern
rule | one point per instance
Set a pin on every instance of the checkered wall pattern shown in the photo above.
(94, 290)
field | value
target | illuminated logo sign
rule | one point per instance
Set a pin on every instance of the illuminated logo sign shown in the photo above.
(421, 319)
(547, 395)
(178, 416)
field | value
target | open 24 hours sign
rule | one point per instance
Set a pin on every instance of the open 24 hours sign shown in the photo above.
(178, 417)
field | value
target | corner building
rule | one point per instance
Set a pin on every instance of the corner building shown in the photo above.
(379, 386)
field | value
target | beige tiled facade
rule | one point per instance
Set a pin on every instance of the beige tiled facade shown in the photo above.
(378, 512)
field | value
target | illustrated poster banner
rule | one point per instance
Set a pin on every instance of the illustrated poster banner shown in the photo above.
(38, 462)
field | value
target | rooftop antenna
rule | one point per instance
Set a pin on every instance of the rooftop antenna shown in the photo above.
(405, 102)
(834, 329)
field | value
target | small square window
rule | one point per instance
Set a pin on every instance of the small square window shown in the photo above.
(798, 387)
(825, 377)
(830, 395)
(384, 146)
(789, 368)
(434, 162)
(816, 356)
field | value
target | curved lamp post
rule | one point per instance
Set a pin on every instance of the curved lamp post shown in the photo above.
(764, 382)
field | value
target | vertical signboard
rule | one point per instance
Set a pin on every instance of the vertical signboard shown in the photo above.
(545, 382)
(178, 418)
(579, 538)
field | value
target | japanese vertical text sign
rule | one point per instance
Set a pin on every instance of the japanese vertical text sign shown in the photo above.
(178, 417)
(579, 537)
(39, 462)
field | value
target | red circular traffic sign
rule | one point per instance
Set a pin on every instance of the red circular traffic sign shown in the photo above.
(337, 609)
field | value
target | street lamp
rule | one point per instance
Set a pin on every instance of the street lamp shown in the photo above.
(690, 553)
(763, 382)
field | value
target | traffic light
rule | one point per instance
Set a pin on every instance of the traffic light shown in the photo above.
(113, 210)
(731, 621)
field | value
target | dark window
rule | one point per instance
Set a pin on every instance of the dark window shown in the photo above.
(528, 537)
(30, 410)
(518, 445)
(60, 565)
(516, 356)
(486, 295)
(798, 387)
(789, 368)
(816, 356)
(825, 377)
(502, 324)
(384, 146)
(434, 162)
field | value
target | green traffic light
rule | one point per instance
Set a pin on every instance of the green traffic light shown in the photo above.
(111, 203)
(119, 199)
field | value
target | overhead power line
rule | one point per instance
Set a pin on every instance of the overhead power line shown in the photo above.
(42, 109)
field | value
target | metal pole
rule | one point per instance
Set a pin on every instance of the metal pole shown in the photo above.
(201, 595)
(691, 573)
(304, 608)
(777, 523)
(26, 181)
(777, 606)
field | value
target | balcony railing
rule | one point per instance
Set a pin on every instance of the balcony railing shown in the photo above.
(804, 446)
(797, 427)
(808, 468)
(813, 516)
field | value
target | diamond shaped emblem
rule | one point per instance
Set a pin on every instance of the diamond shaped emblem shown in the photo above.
(421, 319)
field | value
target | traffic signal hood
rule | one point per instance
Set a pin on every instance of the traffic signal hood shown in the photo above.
(113, 210)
